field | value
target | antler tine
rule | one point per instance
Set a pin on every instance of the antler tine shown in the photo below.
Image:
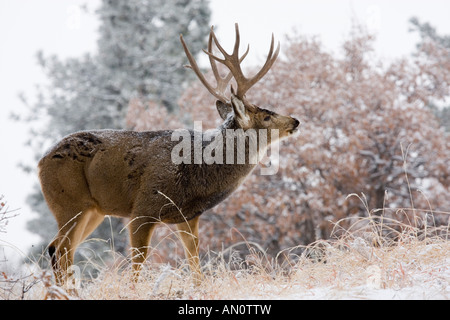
(221, 82)
(271, 58)
(233, 57)
(212, 58)
(217, 92)
(233, 63)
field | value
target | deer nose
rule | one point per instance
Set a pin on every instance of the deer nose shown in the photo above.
(296, 123)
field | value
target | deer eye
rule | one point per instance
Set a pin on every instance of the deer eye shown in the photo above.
(267, 118)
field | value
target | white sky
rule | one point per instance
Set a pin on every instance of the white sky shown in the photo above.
(60, 27)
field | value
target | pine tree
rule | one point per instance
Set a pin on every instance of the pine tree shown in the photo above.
(140, 43)
(139, 54)
(434, 46)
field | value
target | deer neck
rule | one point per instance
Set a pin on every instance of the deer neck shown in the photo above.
(230, 144)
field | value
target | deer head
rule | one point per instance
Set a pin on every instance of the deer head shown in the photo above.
(245, 114)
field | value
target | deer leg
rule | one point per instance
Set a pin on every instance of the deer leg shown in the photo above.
(189, 236)
(140, 234)
(70, 235)
(95, 219)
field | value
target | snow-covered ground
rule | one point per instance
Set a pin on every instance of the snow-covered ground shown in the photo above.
(419, 270)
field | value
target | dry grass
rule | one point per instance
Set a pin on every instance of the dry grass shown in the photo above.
(374, 258)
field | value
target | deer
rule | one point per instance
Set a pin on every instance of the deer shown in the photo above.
(90, 174)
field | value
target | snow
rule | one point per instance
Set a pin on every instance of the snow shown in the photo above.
(420, 275)
(422, 288)
(364, 292)
(398, 273)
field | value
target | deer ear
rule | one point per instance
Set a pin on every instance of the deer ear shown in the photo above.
(240, 110)
(224, 109)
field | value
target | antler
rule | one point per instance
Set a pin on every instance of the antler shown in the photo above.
(234, 63)
(221, 83)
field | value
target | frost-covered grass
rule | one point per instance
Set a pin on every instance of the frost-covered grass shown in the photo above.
(362, 263)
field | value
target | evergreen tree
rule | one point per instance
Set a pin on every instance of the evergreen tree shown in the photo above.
(140, 43)
(139, 54)
(428, 33)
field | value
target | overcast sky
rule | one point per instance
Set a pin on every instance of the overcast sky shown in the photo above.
(60, 27)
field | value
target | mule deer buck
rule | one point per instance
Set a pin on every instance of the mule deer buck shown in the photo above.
(90, 174)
